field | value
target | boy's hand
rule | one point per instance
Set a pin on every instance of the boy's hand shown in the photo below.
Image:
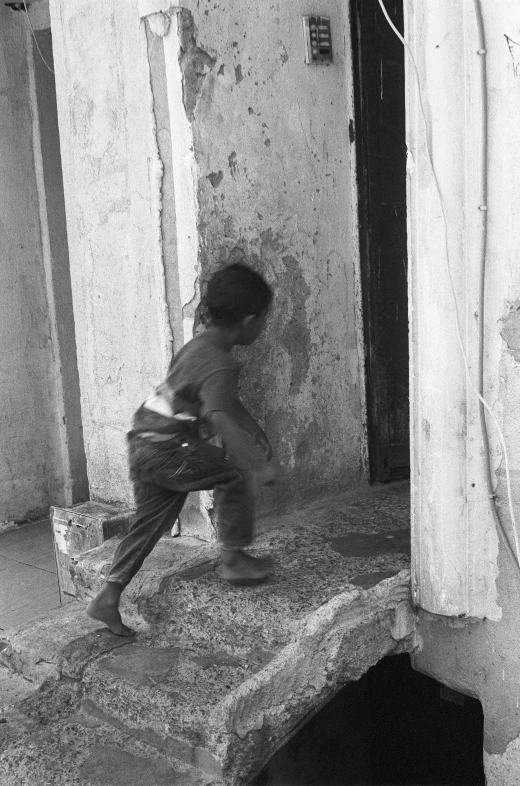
(262, 442)
(269, 474)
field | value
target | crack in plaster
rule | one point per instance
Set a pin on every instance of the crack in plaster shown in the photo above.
(190, 309)
(158, 174)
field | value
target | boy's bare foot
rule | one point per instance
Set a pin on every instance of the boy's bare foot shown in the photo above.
(105, 608)
(241, 569)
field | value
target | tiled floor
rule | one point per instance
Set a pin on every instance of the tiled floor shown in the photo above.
(28, 579)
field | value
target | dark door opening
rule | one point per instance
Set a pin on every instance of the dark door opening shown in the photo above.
(381, 164)
(393, 727)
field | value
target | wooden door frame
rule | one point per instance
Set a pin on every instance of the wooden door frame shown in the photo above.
(378, 449)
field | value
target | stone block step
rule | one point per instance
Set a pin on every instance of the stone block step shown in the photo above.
(59, 645)
(228, 706)
(349, 540)
(14, 691)
(83, 749)
(91, 568)
(218, 677)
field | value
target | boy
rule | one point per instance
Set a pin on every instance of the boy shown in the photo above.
(169, 450)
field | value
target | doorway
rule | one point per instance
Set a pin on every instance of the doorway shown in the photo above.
(379, 131)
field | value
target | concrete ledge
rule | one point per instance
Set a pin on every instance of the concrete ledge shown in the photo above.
(220, 677)
(60, 645)
(221, 708)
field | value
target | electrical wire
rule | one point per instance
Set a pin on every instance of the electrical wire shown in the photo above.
(483, 405)
(34, 37)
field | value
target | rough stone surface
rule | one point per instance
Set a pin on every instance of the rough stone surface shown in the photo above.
(219, 676)
(13, 688)
(84, 751)
(60, 644)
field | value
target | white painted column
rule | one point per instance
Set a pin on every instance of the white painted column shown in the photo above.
(454, 540)
(112, 176)
(195, 517)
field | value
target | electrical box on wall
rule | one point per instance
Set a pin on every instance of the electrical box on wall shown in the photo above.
(318, 41)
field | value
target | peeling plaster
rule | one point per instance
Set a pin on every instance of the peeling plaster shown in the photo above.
(232, 163)
(510, 331)
(184, 166)
(159, 24)
(503, 768)
(195, 63)
(158, 177)
(215, 178)
(262, 156)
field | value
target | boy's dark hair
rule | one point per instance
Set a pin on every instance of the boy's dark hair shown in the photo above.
(235, 292)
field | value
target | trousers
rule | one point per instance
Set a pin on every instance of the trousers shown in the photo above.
(163, 471)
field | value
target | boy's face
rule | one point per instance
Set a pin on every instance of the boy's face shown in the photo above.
(252, 327)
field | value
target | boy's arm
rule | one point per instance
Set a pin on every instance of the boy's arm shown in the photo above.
(248, 422)
(239, 430)
(239, 442)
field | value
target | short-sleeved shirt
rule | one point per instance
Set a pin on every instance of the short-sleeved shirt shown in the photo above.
(202, 378)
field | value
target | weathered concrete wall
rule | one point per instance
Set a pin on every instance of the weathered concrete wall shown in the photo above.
(31, 471)
(481, 658)
(263, 169)
(274, 185)
(112, 177)
(58, 265)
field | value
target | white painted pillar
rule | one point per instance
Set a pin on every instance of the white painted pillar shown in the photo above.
(112, 180)
(195, 518)
(455, 543)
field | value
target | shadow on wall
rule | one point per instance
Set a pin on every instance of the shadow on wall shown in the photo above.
(393, 726)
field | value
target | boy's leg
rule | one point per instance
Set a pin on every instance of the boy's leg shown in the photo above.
(163, 476)
(234, 514)
(234, 511)
(157, 510)
(210, 467)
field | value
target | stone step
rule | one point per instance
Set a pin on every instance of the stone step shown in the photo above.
(14, 691)
(224, 712)
(91, 568)
(58, 646)
(219, 677)
(356, 539)
(84, 749)
(228, 706)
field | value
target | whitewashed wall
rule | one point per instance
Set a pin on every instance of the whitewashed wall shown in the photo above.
(112, 176)
(32, 471)
(461, 566)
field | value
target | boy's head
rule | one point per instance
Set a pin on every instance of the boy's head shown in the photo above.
(237, 295)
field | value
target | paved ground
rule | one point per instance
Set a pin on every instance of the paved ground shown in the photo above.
(28, 579)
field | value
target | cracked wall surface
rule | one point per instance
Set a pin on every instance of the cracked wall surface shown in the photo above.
(273, 177)
(248, 157)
